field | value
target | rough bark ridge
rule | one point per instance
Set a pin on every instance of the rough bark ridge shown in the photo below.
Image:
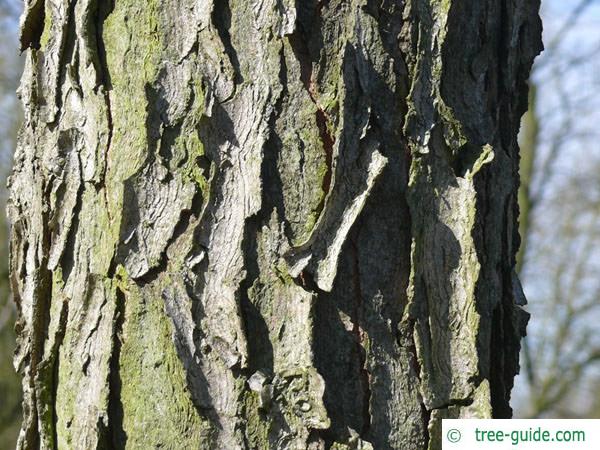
(267, 224)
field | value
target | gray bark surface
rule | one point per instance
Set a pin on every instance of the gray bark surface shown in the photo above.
(267, 224)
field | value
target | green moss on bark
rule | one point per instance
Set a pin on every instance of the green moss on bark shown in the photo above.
(157, 409)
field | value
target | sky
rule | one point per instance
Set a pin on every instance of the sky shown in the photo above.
(10, 68)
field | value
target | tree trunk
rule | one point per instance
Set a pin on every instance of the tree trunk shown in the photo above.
(267, 224)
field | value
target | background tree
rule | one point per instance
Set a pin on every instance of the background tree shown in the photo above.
(559, 217)
(270, 225)
(10, 67)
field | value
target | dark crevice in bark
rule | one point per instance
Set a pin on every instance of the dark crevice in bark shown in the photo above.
(260, 348)
(406, 332)
(426, 417)
(187, 217)
(484, 306)
(300, 48)
(390, 21)
(336, 346)
(460, 85)
(321, 5)
(505, 327)
(503, 54)
(307, 282)
(221, 17)
(497, 369)
(104, 10)
(155, 120)
(33, 25)
(67, 260)
(116, 434)
(60, 337)
(47, 377)
(493, 340)
(513, 320)
(463, 160)
(359, 333)
(272, 183)
(93, 24)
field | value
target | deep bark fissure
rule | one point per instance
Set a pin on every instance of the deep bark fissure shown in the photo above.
(358, 332)
(116, 435)
(33, 27)
(221, 16)
(64, 314)
(105, 82)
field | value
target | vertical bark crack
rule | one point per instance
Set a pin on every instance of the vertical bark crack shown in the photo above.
(33, 24)
(103, 11)
(360, 335)
(116, 437)
(221, 17)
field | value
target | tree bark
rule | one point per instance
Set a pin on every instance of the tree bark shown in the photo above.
(267, 224)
